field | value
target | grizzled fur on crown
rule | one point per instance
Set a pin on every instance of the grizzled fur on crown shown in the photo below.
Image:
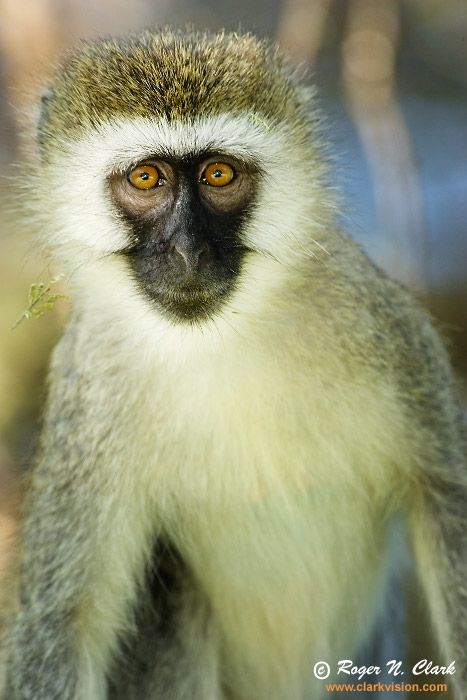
(170, 74)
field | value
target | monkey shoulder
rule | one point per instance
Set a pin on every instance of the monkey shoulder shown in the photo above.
(392, 337)
(384, 322)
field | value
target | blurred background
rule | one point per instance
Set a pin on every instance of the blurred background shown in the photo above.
(392, 79)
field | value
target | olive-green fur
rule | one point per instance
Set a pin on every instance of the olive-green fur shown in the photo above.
(170, 74)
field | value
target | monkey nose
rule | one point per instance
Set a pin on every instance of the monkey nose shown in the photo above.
(190, 255)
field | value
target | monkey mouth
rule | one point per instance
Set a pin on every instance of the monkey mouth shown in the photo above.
(182, 295)
(190, 303)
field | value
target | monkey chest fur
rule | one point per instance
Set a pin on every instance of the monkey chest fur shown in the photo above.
(271, 500)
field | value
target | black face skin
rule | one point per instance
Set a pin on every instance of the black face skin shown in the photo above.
(187, 251)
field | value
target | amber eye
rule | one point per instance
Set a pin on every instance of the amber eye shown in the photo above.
(218, 174)
(144, 177)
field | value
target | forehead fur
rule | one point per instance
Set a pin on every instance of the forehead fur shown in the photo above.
(170, 74)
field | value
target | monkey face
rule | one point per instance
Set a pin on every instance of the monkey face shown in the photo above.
(185, 217)
(188, 221)
(179, 185)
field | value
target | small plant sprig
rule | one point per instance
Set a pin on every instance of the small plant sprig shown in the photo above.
(258, 120)
(41, 299)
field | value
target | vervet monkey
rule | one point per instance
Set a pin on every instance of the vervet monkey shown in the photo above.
(242, 406)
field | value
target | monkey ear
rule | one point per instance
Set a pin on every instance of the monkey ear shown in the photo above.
(44, 108)
(43, 117)
(46, 98)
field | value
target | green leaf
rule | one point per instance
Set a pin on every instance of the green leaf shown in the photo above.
(40, 300)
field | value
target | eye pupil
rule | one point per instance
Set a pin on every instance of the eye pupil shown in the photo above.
(217, 173)
(144, 175)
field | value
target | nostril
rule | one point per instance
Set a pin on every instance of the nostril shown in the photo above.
(190, 254)
(203, 250)
(180, 251)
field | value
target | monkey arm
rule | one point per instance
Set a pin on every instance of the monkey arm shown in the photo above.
(79, 569)
(432, 463)
(42, 656)
(438, 524)
(437, 499)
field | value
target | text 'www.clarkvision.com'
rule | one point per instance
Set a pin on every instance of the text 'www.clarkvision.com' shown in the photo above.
(350, 677)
